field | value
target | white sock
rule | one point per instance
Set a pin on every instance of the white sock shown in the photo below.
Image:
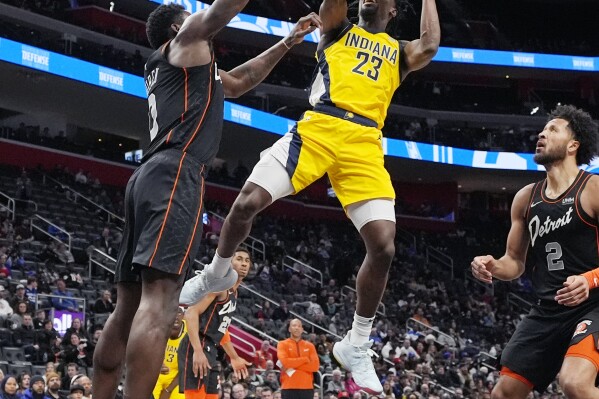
(219, 267)
(360, 330)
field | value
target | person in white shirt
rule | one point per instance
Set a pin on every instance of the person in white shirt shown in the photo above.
(407, 350)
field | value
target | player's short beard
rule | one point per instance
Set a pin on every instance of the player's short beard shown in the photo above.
(368, 14)
(550, 157)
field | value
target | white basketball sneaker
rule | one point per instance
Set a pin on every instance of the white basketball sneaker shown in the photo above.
(199, 286)
(358, 360)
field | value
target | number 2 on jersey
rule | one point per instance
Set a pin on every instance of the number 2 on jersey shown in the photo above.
(375, 62)
(224, 324)
(153, 113)
(554, 253)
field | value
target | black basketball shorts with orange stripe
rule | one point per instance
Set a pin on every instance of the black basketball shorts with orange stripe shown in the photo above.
(163, 216)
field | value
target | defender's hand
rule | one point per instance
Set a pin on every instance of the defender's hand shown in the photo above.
(240, 367)
(482, 268)
(575, 291)
(303, 27)
(201, 366)
(164, 369)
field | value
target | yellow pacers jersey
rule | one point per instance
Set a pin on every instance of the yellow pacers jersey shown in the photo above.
(170, 353)
(359, 73)
(170, 360)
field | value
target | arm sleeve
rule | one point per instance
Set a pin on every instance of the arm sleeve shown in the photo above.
(226, 338)
(592, 277)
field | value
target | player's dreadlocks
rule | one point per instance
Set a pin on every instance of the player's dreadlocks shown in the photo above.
(584, 129)
(403, 6)
(158, 27)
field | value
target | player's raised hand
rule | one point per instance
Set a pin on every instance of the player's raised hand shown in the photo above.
(575, 291)
(482, 268)
(303, 27)
(240, 367)
(201, 366)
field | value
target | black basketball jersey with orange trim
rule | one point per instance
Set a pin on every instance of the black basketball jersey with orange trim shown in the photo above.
(185, 107)
(563, 237)
(217, 318)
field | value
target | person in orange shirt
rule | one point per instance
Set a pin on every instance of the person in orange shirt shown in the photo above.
(298, 361)
(263, 355)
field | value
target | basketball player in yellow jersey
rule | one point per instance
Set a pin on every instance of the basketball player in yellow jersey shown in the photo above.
(359, 68)
(167, 385)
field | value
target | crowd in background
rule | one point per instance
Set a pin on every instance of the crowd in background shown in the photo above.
(435, 331)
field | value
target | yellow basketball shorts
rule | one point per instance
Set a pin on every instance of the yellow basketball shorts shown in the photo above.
(164, 380)
(351, 154)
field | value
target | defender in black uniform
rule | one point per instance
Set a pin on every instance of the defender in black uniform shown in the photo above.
(164, 196)
(558, 217)
(207, 324)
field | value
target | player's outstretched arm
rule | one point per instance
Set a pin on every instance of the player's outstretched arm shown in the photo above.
(192, 319)
(334, 16)
(419, 53)
(511, 265)
(239, 364)
(205, 24)
(249, 74)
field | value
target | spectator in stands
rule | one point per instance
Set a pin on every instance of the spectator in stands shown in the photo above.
(253, 379)
(350, 385)
(64, 255)
(72, 371)
(53, 384)
(75, 351)
(324, 355)
(336, 384)
(81, 178)
(104, 303)
(63, 303)
(24, 187)
(239, 391)
(9, 388)
(272, 380)
(85, 382)
(20, 297)
(5, 309)
(39, 319)
(45, 339)
(24, 380)
(282, 312)
(419, 316)
(270, 365)
(23, 232)
(105, 242)
(26, 337)
(265, 312)
(19, 313)
(407, 350)
(46, 275)
(76, 392)
(5, 271)
(31, 289)
(93, 342)
(314, 310)
(331, 306)
(263, 355)
(75, 328)
(37, 389)
(265, 393)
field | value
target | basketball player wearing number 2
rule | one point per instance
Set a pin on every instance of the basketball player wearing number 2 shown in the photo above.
(559, 218)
